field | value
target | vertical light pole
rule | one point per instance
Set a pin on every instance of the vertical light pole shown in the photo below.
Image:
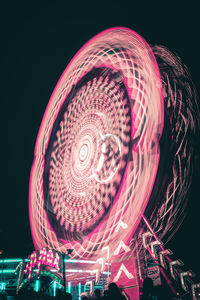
(64, 273)
(69, 251)
(54, 288)
(79, 291)
(69, 287)
(37, 285)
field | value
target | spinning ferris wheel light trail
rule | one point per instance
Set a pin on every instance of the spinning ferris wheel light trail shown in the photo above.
(111, 148)
(98, 139)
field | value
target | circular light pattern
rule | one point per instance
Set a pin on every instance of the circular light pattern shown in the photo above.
(97, 150)
(87, 154)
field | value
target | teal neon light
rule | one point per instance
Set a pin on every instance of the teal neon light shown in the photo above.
(7, 271)
(15, 260)
(10, 260)
(37, 285)
(2, 286)
(45, 273)
(79, 291)
(69, 287)
(18, 260)
(54, 288)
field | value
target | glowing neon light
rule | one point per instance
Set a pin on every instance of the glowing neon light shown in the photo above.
(80, 261)
(8, 271)
(172, 265)
(182, 275)
(107, 249)
(122, 225)
(153, 246)
(98, 149)
(98, 145)
(121, 246)
(2, 286)
(42, 273)
(54, 288)
(182, 109)
(10, 260)
(162, 255)
(43, 257)
(97, 273)
(82, 271)
(123, 269)
(195, 291)
(69, 287)
(79, 291)
(145, 237)
(101, 261)
(91, 285)
(37, 285)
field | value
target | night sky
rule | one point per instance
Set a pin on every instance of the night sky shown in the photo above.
(37, 43)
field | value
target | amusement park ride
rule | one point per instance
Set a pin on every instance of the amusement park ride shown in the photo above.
(112, 169)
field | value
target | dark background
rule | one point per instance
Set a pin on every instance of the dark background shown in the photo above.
(37, 43)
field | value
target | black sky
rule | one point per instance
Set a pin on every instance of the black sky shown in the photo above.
(37, 43)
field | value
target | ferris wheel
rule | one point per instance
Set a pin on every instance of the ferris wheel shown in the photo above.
(100, 154)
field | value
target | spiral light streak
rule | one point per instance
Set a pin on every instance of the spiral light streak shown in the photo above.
(97, 151)
(179, 145)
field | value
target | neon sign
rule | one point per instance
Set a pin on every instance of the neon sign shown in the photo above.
(45, 257)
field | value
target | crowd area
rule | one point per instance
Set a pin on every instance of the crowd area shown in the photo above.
(149, 292)
(113, 292)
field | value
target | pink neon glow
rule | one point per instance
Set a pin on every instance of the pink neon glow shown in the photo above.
(44, 257)
(100, 126)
